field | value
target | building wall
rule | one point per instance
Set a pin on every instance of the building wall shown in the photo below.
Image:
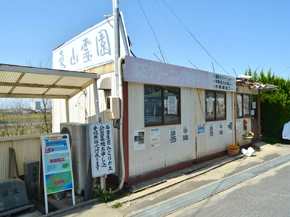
(252, 121)
(222, 137)
(82, 109)
(147, 158)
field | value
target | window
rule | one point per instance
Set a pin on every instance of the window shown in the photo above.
(215, 105)
(243, 105)
(162, 105)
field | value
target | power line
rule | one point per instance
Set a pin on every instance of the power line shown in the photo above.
(158, 44)
(195, 37)
(157, 57)
(235, 72)
(186, 47)
(193, 64)
(284, 70)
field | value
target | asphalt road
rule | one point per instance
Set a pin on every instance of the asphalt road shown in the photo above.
(267, 194)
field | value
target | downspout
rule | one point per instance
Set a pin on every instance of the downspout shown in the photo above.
(235, 117)
(120, 131)
(259, 117)
(122, 178)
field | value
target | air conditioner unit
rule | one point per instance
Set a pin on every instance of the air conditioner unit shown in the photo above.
(80, 152)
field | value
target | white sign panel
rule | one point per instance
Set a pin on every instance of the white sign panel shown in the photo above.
(93, 47)
(151, 72)
(102, 149)
(154, 137)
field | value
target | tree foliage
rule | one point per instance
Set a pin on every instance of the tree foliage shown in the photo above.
(274, 105)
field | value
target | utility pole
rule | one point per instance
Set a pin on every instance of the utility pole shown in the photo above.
(117, 76)
(117, 42)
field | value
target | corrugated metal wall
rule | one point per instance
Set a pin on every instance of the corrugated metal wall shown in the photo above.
(82, 108)
(27, 148)
(218, 142)
(148, 159)
(192, 114)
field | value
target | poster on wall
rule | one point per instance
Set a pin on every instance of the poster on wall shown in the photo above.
(102, 149)
(57, 166)
(172, 105)
(185, 132)
(139, 140)
(154, 137)
(230, 127)
(209, 103)
(211, 129)
(172, 134)
(221, 130)
(239, 127)
(254, 106)
(201, 129)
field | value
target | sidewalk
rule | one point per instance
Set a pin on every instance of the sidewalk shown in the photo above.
(204, 176)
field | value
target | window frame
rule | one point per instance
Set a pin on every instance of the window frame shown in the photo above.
(164, 106)
(241, 106)
(214, 108)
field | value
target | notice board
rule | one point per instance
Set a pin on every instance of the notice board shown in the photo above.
(102, 149)
(57, 166)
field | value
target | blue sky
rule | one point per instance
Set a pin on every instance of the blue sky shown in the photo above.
(237, 34)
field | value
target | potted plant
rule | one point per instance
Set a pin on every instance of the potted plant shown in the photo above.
(248, 135)
(233, 149)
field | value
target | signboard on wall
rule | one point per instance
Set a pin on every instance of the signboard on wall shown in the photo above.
(91, 48)
(151, 72)
(56, 162)
(154, 137)
(102, 149)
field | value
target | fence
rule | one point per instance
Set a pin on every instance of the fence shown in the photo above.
(27, 148)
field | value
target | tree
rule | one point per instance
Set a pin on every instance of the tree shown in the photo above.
(274, 106)
(45, 121)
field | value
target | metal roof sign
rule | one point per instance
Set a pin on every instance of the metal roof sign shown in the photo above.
(151, 72)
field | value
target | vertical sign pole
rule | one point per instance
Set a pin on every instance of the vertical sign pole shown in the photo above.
(103, 183)
(44, 180)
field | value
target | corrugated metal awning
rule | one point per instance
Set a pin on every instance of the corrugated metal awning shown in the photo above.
(259, 86)
(33, 82)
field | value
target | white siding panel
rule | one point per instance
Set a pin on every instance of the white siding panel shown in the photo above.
(187, 148)
(167, 154)
(199, 118)
(82, 106)
(58, 114)
(207, 145)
